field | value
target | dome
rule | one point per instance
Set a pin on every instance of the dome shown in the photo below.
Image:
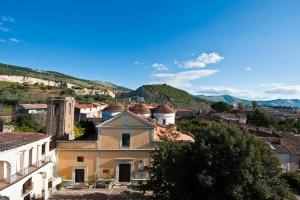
(163, 108)
(114, 107)
(140, 108)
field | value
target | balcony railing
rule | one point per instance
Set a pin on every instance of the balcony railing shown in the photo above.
(24, 172)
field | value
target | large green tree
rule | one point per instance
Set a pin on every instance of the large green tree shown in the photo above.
(221, 107)
(223, 163)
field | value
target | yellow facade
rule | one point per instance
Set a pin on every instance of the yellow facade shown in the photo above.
(106, 158)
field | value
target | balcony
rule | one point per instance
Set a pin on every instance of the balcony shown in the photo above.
(14, 178)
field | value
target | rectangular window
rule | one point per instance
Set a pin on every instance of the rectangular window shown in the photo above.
(43, 149)
(80, 159)
(125, 140)
(164, 122)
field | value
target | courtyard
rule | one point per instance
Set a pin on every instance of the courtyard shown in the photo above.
(119, 193)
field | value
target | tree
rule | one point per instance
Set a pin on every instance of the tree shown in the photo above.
(221, 107)
(254, 104)
(241, 106)
(224, 162)
(260, 118)
(25, 123)
(78, 131)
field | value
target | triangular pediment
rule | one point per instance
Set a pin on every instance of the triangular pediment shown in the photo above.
(127, 119)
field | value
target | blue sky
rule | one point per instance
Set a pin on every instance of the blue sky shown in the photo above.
(249, 49)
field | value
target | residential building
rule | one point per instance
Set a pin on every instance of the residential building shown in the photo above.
(286, 148)
(31, 108)
(26, 166)
(84, 111)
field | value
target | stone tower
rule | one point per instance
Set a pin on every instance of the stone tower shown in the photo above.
(60, 117)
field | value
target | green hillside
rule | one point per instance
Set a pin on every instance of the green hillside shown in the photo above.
(6, 69)
(162, 93)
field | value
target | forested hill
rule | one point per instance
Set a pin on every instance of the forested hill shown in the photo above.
(13, 70)
(162, 93)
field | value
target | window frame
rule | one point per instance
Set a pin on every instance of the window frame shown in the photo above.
(79, 159)
(121, 140)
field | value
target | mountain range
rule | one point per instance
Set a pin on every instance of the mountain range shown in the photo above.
(234, 100)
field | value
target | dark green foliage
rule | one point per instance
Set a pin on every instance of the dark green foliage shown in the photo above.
(260, 118)
(93, 98)
(224, 162)
(293, 179)
(25, 123)
(89, 128)
(221, 107)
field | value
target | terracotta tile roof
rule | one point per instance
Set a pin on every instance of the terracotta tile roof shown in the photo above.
(84, 106)
(181, 136)
(163, 108)
(14, 140)
(114, 107)
(284, 143)
(34, 106)
(140, 108)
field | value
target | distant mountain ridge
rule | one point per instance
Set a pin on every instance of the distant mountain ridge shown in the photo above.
(234, 100)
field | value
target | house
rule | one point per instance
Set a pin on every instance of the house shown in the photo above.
(26, 166)
(231, 117)
(181, 113)
(84, 111)
(31, 108)
(122, 149)
(286, 147)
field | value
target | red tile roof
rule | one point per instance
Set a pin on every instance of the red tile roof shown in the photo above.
(163, 108)
(180, 136)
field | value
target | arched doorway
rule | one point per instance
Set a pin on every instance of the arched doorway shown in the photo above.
(5, 173)
(3, 198)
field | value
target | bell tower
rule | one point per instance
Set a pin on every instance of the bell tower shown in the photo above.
(60, 117)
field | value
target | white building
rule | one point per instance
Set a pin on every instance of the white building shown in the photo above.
(93, 110)
(164, 114)
(27, 166)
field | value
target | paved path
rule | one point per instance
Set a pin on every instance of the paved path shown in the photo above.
(98, 194)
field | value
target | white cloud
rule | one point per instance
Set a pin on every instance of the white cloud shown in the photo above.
(138, 62)
(4, 29)
(281, 89)
(181, 79)
(176, 62)
(8, 19)
(14, 40)
(202, 60)
(159, 66)
(248, 68)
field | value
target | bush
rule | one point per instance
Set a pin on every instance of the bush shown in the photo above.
(59, 186)
(293, 179)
